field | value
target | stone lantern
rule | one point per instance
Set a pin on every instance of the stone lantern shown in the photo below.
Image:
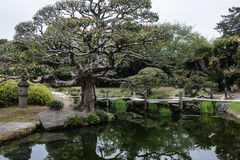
(23, 92)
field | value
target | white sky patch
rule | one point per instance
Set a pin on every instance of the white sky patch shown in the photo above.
(202, 14)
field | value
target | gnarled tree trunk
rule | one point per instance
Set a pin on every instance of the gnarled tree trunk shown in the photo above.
(88, 94)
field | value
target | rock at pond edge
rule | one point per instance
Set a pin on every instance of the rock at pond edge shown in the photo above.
(16, 130)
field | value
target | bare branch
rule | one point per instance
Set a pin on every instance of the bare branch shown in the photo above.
(4, 78)
(51, 79)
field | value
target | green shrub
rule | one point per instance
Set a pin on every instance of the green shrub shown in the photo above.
(152, 107)
(39, 94)
(76, 100)
(8, 93)
(76, 121)
(93, 119)
(102, 115)
(119, 107)
(205, 107)
(102, 91)
(165, 112)
(152, 96)
(56, 105)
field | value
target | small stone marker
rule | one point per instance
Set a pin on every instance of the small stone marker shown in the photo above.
(23, 92)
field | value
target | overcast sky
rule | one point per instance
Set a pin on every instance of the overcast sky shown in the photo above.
(202, 14)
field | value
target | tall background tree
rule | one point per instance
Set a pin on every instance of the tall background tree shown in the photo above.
(230, 24)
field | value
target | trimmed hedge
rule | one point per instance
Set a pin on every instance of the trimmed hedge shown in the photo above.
(8, 93)
(38, 94)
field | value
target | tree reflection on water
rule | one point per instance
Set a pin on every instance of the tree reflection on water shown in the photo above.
(161, 139)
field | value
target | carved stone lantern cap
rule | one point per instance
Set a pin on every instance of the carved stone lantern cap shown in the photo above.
(23, 83)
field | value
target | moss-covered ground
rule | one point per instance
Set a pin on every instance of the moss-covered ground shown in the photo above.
(18, 114)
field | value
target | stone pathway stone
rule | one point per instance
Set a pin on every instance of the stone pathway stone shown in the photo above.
(15, 130)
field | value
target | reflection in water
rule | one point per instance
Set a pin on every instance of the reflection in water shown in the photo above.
(39, 152)
(189, 138)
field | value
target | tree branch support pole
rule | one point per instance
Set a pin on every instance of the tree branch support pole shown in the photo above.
(108, 102)
(226, 92)
(146, 103)
(181, 100)
(133, 93)
(225, 88)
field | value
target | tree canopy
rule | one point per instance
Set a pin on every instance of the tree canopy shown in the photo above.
(230, 24)
(87, 38)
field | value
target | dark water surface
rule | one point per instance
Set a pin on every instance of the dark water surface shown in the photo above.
(197, 138)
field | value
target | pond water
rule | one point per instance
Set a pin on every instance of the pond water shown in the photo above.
(197, 138)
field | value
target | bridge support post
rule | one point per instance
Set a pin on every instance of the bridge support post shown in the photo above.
(108, 102)
(180, 100)
(133, 93)
(146, 103)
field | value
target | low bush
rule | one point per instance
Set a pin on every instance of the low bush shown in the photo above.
(206, 107)
(119, 107)
(76, 100)
(102, 115)
(76, 121)
(165, 112)
(8, 93)
(56, 105)
(74, 91)
(39, 94)
(152, 96)
(152, 107)
(93, 119)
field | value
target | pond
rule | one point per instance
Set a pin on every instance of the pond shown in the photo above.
(197, 138)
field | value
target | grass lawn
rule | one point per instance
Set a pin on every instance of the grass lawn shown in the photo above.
(165, 91)
(235, 107)
(117, 92)
(100, 92)
(28, 114)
